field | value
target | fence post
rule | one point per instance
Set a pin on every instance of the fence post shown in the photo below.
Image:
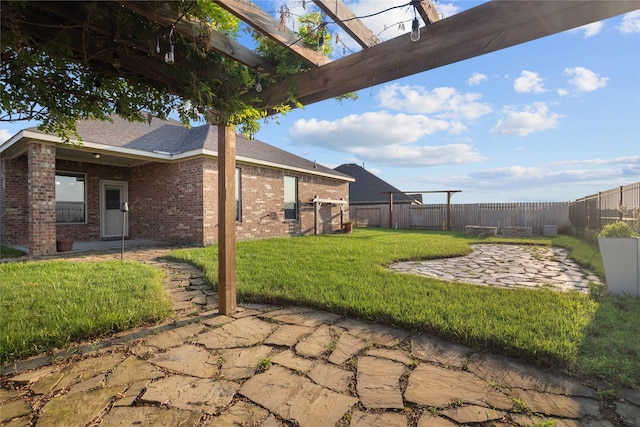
(390, 211)
(620, 204)
(599, 207)
(448, 210)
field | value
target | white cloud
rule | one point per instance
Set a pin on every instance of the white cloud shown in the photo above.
(511, 173)
(446, 10)
(584, 79)
(627, 160)
(368, 130)
(630, 23)
(4, 135)
(414, 155)
(382, 138)
(520, 179)
(534, 118)
(443, 102)
(522, 183)
(589, 30)
(563, 92)
(476, 79)
(528, 82)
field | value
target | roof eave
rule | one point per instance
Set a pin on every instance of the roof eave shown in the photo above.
(27, 135)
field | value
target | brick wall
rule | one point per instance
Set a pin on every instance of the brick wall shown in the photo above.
(165, 201)
(174, 202)
(263, 203)
(310, 186)
(42, 198)
(94, 174)
(14, 205)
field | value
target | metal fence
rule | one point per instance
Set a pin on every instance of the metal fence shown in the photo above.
(597, 210)
(435, 216)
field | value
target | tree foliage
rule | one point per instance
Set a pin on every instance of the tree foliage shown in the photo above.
(101, 59)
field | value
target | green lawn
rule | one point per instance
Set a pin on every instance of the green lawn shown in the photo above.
(47, 305)
(346, 274)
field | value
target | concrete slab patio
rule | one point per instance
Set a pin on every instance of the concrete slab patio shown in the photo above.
(284, 366)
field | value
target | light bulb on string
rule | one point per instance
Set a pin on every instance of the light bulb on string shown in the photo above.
(169, 57)
(115, 60)
(415, 30)
(258, 85)
(321, 40)
(158, 50)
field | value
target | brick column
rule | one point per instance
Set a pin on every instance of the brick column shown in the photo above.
(42, 199)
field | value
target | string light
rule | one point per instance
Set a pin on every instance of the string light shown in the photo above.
(321, 38)
(415, 25)
(415, 30)
(258, 84)
(115, 60)
(169, 57)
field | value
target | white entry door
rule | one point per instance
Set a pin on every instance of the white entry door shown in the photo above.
(112, 195)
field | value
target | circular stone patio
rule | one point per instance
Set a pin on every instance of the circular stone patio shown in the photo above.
(508, 266)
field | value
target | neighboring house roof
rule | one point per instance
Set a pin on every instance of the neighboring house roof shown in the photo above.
(171, 140)
(369, 189)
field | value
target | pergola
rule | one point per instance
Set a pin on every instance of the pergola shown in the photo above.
(483, 29)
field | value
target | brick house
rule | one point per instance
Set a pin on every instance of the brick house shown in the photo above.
(167, 173)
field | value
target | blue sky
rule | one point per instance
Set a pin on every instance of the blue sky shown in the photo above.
(555, 119)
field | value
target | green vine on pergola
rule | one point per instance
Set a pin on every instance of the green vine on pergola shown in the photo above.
(51, 75)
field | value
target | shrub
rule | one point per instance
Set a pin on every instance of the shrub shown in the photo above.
(617, 229)
(567, 229)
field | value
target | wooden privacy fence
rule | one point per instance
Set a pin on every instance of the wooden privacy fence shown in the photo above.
(434, 216)
(597, 210)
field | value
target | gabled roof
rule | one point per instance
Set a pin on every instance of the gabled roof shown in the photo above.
(168, 140)
(369, 189)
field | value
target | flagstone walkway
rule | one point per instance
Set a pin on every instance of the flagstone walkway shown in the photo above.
(508, 266)
(285, 366)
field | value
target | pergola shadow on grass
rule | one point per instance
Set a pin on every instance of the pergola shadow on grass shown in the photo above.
(346, 274)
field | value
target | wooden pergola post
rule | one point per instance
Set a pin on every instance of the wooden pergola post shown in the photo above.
(227, 302)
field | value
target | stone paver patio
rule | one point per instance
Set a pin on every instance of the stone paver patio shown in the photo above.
(283, 366)
(508, 266)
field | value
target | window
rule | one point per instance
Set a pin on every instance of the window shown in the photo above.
(290, 197)
(70, 198)
(238, 195)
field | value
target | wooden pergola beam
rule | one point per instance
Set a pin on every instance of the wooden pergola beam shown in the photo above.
(344, 17)
(486, 28)
(253, 15)
(427, 11)
(134, 59)
(203, 34)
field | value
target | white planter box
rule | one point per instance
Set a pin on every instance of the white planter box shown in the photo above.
(621, 259)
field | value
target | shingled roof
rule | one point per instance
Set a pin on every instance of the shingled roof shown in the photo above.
(171, 138)
(369, 189)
